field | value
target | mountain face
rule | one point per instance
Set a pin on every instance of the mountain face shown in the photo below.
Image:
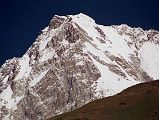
(139, 102)
(73, 62)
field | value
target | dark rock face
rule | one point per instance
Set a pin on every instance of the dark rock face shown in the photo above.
(56, 22)
(65, 69)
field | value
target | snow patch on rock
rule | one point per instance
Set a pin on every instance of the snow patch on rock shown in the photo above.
(38, 78)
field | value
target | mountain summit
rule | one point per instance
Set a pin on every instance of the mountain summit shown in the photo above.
(73, 62)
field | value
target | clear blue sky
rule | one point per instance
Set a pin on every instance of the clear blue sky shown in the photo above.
(22, 20)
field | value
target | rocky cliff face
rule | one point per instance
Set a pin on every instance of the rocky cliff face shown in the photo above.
(73, 62)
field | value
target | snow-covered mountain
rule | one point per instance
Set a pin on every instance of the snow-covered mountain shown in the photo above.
(73, 62)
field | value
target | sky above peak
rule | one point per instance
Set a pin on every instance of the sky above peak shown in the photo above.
(22, 20)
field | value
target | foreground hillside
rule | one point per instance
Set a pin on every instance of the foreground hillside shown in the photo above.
(140, 102)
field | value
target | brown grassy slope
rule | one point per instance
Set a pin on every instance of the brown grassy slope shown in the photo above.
(140, 102)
